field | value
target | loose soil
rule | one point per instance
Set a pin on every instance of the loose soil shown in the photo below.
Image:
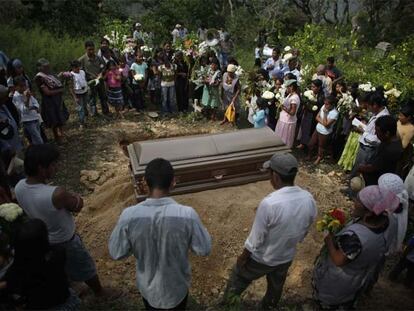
(107, 188)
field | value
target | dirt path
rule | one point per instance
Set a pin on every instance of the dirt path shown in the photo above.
(228, 218)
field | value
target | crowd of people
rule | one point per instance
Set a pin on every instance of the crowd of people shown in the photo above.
(44, 254)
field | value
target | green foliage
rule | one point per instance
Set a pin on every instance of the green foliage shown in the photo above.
(30, 45)
(74, 17)
(116, 31)
(359, 64)
(165, 14)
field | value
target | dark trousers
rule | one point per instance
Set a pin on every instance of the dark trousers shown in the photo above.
(402, 265)
(98, 91)
(181, 306)
(181, 92)
(241, 278)
(318, 140)
(137, 96)
(364, 155)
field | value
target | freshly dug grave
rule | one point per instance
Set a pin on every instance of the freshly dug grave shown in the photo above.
(228, 214)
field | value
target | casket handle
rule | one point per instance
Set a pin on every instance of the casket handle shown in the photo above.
(219, 174)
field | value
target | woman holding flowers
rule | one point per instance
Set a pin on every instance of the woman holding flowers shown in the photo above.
(211, 89)
(326, 119)
(314, 102)
(349, 257)
(286, 125)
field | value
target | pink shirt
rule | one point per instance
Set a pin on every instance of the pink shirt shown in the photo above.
(111, 78)
(124, 71)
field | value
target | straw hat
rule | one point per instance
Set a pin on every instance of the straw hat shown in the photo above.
(231, 68)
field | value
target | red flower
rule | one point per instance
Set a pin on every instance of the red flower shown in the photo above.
(339, 215)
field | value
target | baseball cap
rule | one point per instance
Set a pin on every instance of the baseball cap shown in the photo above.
(282, 163)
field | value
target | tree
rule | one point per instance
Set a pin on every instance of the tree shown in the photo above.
(64, 16)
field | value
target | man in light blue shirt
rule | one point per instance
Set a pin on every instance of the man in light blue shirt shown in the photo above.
(159, 232)
(274, 65)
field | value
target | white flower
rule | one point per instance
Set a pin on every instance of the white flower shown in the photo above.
(346, 102)
(128, 50)
(138, 77)
(314, 108)
(393, 92)
(10, 211)
(309, 95)
(287, 48)
(239, 71)
(287, 56)
(367, 87)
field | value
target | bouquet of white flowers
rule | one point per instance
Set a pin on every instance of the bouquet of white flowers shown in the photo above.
(311, 100)
(10, 211)
(366, 87)
(139, 77)
(392, 92)
(346, 103)
(11, 215)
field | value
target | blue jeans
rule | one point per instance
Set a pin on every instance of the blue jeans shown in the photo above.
(223, 60)
(81, 107)
(168, 99)
(32, 128)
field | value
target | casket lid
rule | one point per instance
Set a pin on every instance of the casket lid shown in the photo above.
(203, 146)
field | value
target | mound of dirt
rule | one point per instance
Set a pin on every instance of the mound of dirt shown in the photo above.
(228, 218)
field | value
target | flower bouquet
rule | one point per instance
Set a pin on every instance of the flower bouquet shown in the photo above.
(10, 215)
(333, 221)
(346, 104)
(310, 100)
(366, 87)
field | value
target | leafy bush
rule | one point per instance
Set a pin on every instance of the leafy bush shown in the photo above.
(116, 31)
(358, 63)
(30, 45)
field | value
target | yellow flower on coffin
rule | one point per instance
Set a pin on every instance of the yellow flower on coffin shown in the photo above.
(321, 225)
(333, 225)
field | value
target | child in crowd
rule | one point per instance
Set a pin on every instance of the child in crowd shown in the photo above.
(15, 69)
(167, 71)
(139, 74)
(154, 85)
(259, 117)
(326, 119)
(28, 108)
(113, 79)
(211, 89)
(406, 263)
(258, 55)
(126, 89)
(79, 91)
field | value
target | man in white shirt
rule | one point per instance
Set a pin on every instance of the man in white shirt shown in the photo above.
(159, 232)
(176, 33)
(274, 65)
(282, 221)
(326, 81)
(368, 142)
(291, 67)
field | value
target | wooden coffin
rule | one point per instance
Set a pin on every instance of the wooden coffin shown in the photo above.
(207, 161)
